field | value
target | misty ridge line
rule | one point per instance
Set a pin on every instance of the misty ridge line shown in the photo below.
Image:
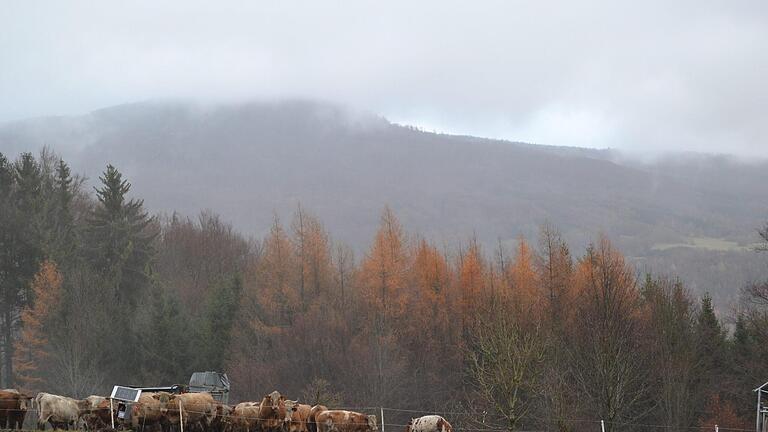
(363, 118)
(249, 161)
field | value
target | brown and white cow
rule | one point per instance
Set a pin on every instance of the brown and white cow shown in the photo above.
(60, 411)
(345, 421)
(272, 412)
(245, 417)
(311, 419)
(296, 416)
(429, 423)
(13, 408)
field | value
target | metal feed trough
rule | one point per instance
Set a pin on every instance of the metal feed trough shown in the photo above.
(215, 383)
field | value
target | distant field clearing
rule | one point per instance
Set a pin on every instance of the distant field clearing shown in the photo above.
(708, 243)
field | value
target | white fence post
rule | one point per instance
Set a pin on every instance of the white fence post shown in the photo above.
(111, 413)
(717, 429)
(181, 417)
(382, 418)
(602, 425)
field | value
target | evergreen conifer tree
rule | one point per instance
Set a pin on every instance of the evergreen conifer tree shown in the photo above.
(219, 318)
(121, 238)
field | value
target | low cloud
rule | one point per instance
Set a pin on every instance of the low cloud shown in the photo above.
(639, 76)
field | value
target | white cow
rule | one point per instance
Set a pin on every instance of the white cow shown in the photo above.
(429, 423)
(60, 411)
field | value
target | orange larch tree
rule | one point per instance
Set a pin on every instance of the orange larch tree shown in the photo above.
(430, 333)
(523, 277)
(383, 285)
(277, 290)
(472, 284)
(385, 269)
(32, 348)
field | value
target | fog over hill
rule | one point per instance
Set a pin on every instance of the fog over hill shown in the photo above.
(695, 215)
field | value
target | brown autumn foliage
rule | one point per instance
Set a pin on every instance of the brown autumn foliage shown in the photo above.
(32, 347)
(525, 286)
(535, 339)
(473, 284)
(511, 341)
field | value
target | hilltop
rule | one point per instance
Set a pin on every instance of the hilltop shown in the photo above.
(695, 215)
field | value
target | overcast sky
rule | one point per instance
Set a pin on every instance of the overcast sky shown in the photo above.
(638, 75)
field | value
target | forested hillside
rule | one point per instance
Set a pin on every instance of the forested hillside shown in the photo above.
(692, 215)
(529, 335)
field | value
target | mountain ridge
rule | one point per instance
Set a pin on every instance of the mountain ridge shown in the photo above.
(250, 161)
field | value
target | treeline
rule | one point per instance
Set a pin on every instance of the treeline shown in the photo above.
(96, 292)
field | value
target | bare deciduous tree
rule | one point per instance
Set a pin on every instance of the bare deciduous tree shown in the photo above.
(507, 364)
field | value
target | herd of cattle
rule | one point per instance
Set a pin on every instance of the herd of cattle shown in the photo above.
(193, 412)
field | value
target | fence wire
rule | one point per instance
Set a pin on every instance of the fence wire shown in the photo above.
(31, 418)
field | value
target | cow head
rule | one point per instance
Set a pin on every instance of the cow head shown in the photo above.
(272, 411)
(372, 423)
(290, 408)
(24, 402)
(162, 397)
(275, 398)
(166, 402)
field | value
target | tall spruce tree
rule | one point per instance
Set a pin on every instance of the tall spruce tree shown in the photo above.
(120, 238)
(62, 242)
(219, 317)
(10, 298)
(711, 351)
(165, 348)
(711, 337)
(20, 253)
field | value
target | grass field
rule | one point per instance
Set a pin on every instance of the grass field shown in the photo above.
(708, 243)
